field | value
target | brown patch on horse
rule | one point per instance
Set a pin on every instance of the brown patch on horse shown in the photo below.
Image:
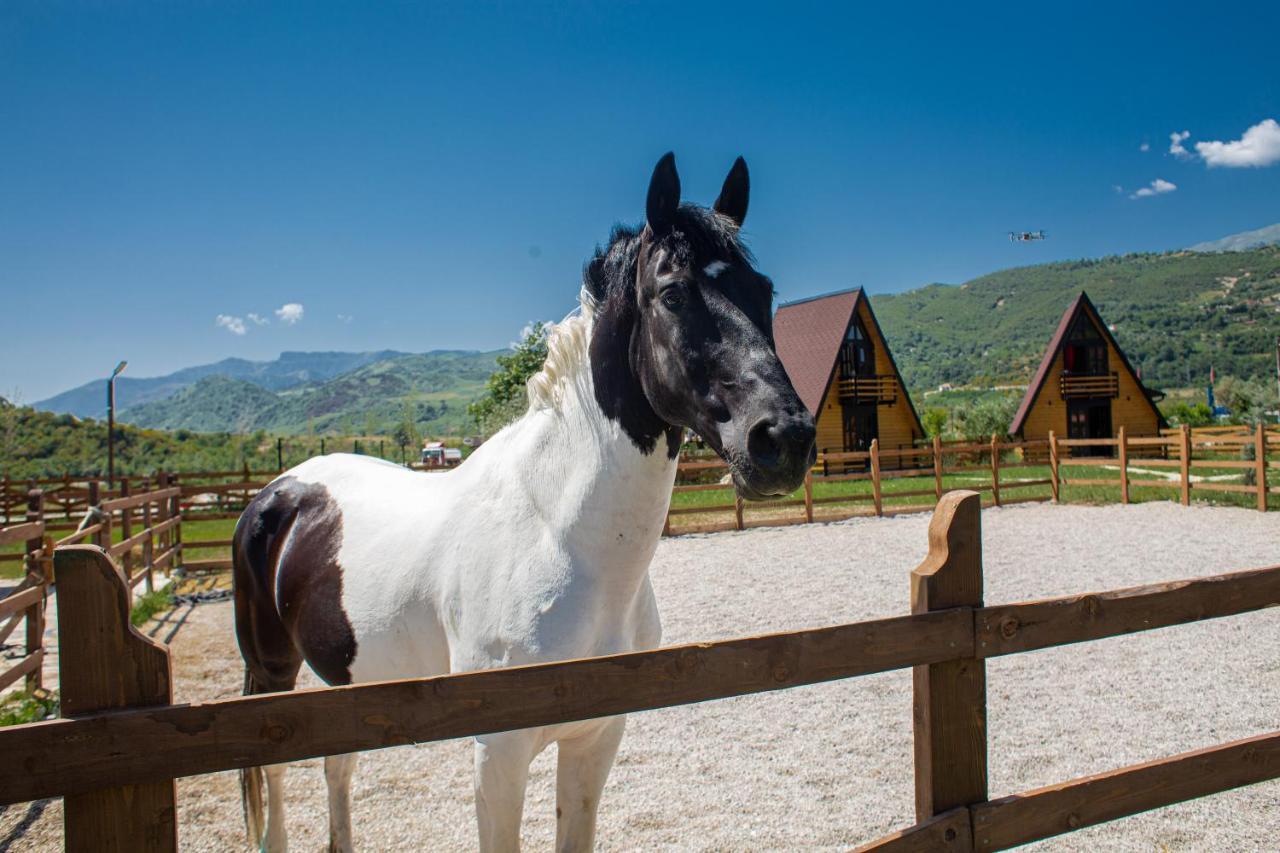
(288, 587)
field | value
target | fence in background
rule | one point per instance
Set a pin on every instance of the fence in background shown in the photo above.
(1068, 461)
(1059, 468)
(115, 755)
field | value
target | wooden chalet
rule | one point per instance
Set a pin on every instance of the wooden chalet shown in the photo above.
(1085, 386)
(840, 365)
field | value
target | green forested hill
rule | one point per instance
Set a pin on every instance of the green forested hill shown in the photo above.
(1174, 314)
(434, 388)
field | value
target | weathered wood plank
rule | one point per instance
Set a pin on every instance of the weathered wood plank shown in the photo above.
(949, 832)
(105, 664)
(1022, 627)
(29, 664)
(67, 756)
(132, 501)
(1045, 812)
(950, 707)
(21, 532)
(21, 600)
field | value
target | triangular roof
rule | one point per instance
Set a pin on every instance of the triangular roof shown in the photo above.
(808, 334)
(1081, 303)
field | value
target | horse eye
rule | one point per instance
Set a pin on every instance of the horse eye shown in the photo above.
(672, 297)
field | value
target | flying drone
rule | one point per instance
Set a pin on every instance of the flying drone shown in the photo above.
(1026, 236)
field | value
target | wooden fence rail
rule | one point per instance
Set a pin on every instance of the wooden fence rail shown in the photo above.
(25, 602)
(117, 766)
(1187, 454)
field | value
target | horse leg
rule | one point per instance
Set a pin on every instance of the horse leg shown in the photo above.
(502, 770)
(582, 767)
(276, 839)
(337, 773)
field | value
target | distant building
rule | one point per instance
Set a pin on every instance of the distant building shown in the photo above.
(840, 365)
(1085, 386)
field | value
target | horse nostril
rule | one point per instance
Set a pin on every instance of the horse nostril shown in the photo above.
(763, 444)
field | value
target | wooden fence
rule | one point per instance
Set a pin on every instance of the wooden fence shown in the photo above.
(142, 531)
(1182, 450)
(122, 742)
(214, 495)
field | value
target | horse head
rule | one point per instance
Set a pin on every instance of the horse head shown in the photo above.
(683, 338)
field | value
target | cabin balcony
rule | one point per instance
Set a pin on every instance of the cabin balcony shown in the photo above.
(1076, 387)
(882, 388)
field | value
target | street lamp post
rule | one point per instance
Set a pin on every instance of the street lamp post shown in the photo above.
(111, 424)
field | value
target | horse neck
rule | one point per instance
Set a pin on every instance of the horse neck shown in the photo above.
(606, 498)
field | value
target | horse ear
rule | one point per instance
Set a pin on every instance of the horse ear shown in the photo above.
(664, 195)
(735, 192)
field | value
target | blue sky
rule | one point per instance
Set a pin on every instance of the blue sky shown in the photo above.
(423, 176)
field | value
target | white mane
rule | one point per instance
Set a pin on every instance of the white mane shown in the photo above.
(567, 345)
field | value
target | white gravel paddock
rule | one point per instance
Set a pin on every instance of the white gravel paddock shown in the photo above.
(829, 766)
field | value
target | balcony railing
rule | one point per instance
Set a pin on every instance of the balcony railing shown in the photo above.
(868, 389)
(1075, 386)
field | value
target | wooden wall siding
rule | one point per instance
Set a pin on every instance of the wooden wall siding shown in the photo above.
(1131, 409)
(897, 426)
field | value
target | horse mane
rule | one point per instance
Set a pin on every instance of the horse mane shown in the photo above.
(699, 235)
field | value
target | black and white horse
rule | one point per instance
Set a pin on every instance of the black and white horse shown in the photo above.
(538, 548)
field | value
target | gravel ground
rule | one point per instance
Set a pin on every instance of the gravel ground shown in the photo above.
(829, 766)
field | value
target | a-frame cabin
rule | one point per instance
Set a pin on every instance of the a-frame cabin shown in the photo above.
(836, 356)
(1085, 386)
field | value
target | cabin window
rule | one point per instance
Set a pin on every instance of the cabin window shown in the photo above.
(857, 354)
(1085, 352)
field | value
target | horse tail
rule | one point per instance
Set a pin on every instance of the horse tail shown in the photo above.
(271, 660)
(252, 780)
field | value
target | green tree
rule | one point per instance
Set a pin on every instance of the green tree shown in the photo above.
(504, 397)
(935, 421)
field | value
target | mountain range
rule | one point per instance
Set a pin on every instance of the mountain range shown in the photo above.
(1176, 314)
(300, 393)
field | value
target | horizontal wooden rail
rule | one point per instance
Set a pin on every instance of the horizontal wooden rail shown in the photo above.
(1053, 810)
(31, 663)
(65, 756)
(21, 532)
(21, 600)
(132, 501)
(1026, 626)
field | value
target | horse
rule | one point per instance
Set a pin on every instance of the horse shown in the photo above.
(537, 548)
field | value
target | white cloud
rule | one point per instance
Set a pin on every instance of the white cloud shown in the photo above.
(290, 312)
(1146, 146)
(1175, 144)
(258, 319)
(1259, 146)
(1157, 187)
(345, 318)
(234, 325)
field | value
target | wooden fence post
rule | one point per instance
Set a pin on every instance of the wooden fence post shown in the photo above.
(148, 545)
(126, 531)
(1184, 454)
(995, 469)
(808, 495)
(105, 665)
(1260, 466)
(1054, 483)
(875, 476)
(36, 575)
(950, 698)
(175, 510)
(1122, 446)
(95, 498)
(937, 466)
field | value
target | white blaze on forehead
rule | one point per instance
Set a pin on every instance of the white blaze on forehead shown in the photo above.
(714, 268)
